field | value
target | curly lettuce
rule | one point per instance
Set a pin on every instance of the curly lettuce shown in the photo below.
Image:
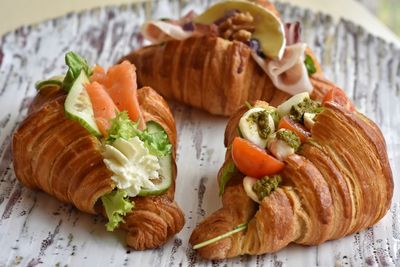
(116, 205)
(157, 142)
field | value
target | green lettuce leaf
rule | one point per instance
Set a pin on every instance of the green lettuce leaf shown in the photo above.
(117, 205)
(157, 143)
(75, 64)
(228, 170)
(311, 69)
(122, 127)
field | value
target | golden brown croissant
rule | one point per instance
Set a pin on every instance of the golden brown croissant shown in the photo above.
(59, 156)
(338, 183)
(209, 72)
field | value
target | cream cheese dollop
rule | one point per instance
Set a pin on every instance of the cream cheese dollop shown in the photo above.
(132, 165)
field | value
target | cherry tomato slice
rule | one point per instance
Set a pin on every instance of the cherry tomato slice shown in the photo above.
(287, 123)
(252, 160)
(338, 96)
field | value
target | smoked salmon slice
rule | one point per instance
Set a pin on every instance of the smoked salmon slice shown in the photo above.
(104, 108)
(120, 83)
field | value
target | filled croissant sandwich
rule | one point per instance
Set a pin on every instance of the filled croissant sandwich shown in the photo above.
(93, 140)
(235, 51)
(303, 172)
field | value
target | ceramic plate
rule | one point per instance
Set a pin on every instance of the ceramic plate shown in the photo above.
(36, 229)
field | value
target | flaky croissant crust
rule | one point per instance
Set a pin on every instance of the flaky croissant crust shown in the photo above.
(339, 183)
(210, 73)
(57, 155)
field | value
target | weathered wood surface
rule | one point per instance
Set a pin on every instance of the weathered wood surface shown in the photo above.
(35, 229)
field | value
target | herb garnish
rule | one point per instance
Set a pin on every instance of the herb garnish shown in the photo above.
(75, 65)
(238, 228)
(311, 69)
(228, 170)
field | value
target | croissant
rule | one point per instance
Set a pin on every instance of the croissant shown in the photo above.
(338, 183)
(209, 72)
(57, 155)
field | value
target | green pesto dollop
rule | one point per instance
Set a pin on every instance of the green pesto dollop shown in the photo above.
(289, 137)
(307, 105)
(261, 119)
(266, 185)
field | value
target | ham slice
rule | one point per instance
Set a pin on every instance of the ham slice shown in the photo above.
(292, 33)
(288, 74)
(161, 31)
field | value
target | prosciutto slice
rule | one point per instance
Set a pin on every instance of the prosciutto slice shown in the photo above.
(157, 31)
(288, 74)
(293, 33)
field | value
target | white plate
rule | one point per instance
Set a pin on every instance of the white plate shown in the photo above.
(37, 229)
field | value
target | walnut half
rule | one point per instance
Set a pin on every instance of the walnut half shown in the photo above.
(237, 27)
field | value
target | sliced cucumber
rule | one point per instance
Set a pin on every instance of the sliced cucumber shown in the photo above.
(78, 106)
(161, 185)
(51, 82)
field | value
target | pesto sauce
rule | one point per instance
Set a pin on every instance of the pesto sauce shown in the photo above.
(261, 118)
(307, 105)
(289, 137)
(266, 185)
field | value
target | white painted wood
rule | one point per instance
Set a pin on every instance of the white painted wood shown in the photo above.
(36, 229)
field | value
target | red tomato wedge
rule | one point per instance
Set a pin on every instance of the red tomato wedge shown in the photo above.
(287, 123)
(120, 83)
(103, 106)
(338, 96)
(252, 160)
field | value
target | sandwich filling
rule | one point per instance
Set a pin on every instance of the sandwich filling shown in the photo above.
(276, 47)
(267, 136)
(138, 154)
